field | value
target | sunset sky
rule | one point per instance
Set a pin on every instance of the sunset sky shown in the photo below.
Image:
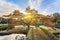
(43, 6)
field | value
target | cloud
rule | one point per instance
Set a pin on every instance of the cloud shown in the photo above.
(35, 4)
(52, 8)
(7, 7)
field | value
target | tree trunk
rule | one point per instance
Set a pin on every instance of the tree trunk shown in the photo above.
(28, 27)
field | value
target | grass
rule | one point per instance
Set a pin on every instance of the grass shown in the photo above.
(40, 34)
(3, 27)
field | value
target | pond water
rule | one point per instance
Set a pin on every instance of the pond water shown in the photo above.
(13, 37)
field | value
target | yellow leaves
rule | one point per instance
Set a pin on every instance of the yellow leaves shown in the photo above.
(31, 17)
(28, 17)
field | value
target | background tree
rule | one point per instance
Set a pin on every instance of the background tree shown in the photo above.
(57, 17)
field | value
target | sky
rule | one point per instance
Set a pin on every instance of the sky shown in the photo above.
(45, 7)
